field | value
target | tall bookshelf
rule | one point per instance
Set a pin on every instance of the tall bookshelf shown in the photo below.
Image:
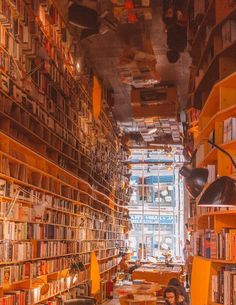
(63, 168)
(213, 228)
(211, 116)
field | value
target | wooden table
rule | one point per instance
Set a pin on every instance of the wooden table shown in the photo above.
(141, 294)
(155, 275)
(142, 300)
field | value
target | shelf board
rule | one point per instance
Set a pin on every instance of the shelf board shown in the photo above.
(228, 81)
(209, 158)
(59, 292)
(219, 116)
(212, 154)
(229, 145)
(229, 48)
(218, 261)
(222, 212)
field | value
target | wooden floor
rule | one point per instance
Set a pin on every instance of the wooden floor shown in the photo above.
(112, 302)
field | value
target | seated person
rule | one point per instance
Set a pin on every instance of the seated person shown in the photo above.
(183, 295)
(124, 266)
(135, 266)
(171, 296)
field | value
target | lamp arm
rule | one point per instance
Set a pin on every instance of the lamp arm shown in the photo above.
(193, 155)
(34, 70)
(223, 151)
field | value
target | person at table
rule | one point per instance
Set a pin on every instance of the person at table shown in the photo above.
(123, 265)
(183, 295)
(136, 265)
(142, 251)
(172, 297)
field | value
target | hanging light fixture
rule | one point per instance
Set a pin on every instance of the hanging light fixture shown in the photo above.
(220, 193)
(195, 179)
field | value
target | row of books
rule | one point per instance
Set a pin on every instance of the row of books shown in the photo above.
(214, 245)
(21, 296)
(41, 132)
(72, 135)
(33, 296)
(27, 213)
(229, 129)
(25, 27)
(27, 250)
(135, 3)
(192, 115)
(49, 131)
(224, 286)
(10, 230)
(108, 265)
(68, 156)
(102, 224)
(29, 270)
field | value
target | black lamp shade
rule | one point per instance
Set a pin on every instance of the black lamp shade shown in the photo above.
(220, 193)
(195, 179)
(82, 16)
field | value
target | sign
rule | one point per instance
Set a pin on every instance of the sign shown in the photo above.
(152, 219)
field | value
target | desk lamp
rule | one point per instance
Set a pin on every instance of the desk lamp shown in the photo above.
(220, 193)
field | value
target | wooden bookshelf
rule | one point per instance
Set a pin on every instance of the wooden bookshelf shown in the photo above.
(68, 166)
(212, 91)
(213, 228)
(212, 47)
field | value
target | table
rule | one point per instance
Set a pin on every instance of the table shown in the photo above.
(141, 294)
(141, 300)
(157, 275)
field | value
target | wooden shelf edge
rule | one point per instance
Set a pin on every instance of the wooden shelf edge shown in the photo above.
(219, 115)
(219, 82)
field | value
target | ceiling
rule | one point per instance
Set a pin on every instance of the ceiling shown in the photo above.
(104, 53)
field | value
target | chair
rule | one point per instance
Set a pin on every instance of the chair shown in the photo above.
(81, 301)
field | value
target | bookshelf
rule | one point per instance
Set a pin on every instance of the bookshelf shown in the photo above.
(68, 165)
(211, 116)
(212, 38)
(213, 237)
